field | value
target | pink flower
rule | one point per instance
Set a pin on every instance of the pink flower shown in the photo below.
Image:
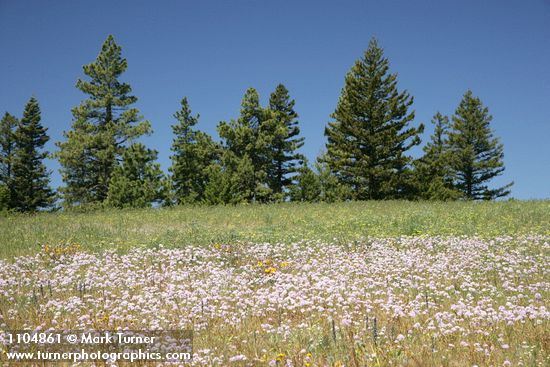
(237, 358)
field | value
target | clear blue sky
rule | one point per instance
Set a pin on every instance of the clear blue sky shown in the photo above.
(212, 51)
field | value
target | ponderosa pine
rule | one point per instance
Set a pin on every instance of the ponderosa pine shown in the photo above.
(102, 127)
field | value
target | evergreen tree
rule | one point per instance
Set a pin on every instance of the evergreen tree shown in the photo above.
(307, 186)
(215, 190)
(247, 143)
(433, 170)
(30, 183)
(368, 141)
(230, 181)
(194, 151)
(284, 131)
(477, 156)
(137, 181)
(4, 197)
(8, 125)
(102, 127)
(332, 190)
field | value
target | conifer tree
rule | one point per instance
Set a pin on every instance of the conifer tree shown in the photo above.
(8, 125)
(285, 142)
(4, 197)
(30, 182)
(433, 169)
(368, 141)
(137, 181)
(307, 186)
(230, 181)
(332, 190)
(216, 189)
(102, 127)
(477, 156)
(247, 140)
(194, 151)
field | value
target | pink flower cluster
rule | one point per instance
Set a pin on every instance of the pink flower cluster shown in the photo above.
(461, 289)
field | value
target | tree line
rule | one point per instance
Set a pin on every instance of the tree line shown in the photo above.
(257, 158)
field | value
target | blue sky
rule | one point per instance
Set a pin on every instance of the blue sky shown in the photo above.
(212, 51)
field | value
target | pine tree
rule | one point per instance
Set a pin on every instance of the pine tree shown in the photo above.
(137, 181)
(477, 156)
(368, 141)
(102, 127)
(230, 181)
(4, 197)
(332, 190)
(247, 139)
(433, 169)
(8, 125)
(30, 183)
(284, 131)
(194, 151)
(307, 186)
(215, 190)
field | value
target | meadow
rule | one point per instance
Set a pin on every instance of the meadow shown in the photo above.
(276, 223)
(347, 284)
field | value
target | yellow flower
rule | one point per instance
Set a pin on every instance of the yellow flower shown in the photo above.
(270, 270)
(284, 264)
(280, 356)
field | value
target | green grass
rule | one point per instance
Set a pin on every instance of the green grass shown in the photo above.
(275, 223)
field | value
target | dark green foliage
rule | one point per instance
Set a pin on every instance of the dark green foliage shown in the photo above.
(4, 197)
(368, 140)
(259, 154)
(477, 156)
(307, 186)
(258, 159)
(318, 185)
(284, 131)
(8, 124)
(247, 157)
(242, 179)
(194, 151)
(29, 187)
(137, 181)
(332, 190)
(102, 126)
(229, 181)
(433, 171)
(215, 190)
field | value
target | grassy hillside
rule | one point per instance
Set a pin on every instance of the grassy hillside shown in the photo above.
(180, 226)
(425, 301)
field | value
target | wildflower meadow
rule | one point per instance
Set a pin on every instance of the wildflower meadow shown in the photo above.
(402, 296)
